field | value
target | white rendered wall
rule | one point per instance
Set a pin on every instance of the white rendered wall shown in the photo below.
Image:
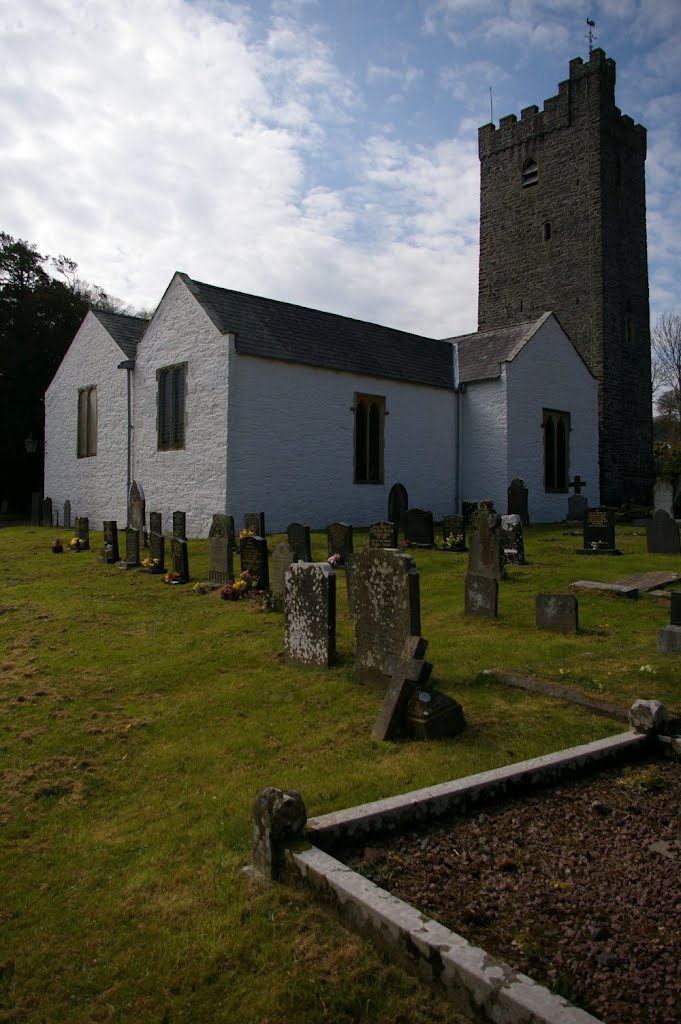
(549, 374)
(95, 485)
(484, 442)
(291, 449)
(192, 479)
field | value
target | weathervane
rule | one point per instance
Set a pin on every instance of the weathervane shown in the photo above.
(591, 35)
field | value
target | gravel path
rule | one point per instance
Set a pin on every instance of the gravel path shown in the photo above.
(579, 888)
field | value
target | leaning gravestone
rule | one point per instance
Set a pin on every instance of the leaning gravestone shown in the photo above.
(418, 528)
(82, 527)
(407, 671)
(67, 514)
(557, 612)
(132, 547)
(180, 556)
(387, 609)
(339, 541)
(298, 537)
(283, 557)
(155, 522)
(481, 596)
(398, 503)
(517, 501)
(485, 551)
(663, 496)
(46, 512)
(253, 552)
(255, 521)
(137, 509)
(111, 553)
(383, 535)
(454, 533)
(220, 560)
(36, 507)
(180, 525)
(157, 552)
(512, 541)
(310, 613)
(599, 532)
(662, 535)
(577, 506)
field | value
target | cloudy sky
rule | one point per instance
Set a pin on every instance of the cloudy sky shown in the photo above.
(318, 151)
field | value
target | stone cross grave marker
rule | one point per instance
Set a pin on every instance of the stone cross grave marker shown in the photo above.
(398, 503)
(155, 522)
(157, 552)
(517, 501)
(339, 540)
(180, 556)
(283, 557)
(418, 528)
(298, 537)
(132, 547)
(662, 534)
(481, 596)
(557, 612)
(253, 553)
(67, 515)
(454, 533)
(387, 609)
(36, 508)
(383, 535)
(111, 552)
(220, 550)
(599, 532)
(180, 524)
(137, 517)
(407, 670)
(663, 496)
(82, 527)
(578, 483)
(255, 521)
(46, 512)
(310, 614)
(485, 551)
(512, 540)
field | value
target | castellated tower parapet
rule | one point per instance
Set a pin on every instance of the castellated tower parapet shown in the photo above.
(563, 228)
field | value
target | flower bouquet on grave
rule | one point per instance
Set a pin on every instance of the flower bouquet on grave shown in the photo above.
(150, 563)
(76, 544)
(239, 587)
(454, 542)
(334, 559)
(57, 546)
(405, 543)
(246, 532)
(171, 577)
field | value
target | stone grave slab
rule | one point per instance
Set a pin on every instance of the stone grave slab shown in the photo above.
(180, 524)
(180, 558)
(310, 614)
(339, 541)
(387, 609)
(647, 581)
(512, 540)
(481, 596)
(454, 533)
(383, 534)
(662, 535)
(255, 521)
(220, 550)
(419, 529)
(298, 536)
(253, 552)
(283, 557)
(485, 550)
(557, 612)
(67, 515)
(622, 590)
(82, 528)
(111, 553)
(132, 547)
(517, 501)
(599, 532)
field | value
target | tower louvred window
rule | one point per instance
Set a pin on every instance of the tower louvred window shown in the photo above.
(530, 172)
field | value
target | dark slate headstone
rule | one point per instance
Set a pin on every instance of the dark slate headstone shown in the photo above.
(662, 535)
(310, 614)
(577, 506)
(512, 540)
(255, 521)
(557, 612)
(180, 556)
(157, 552)
(676, 608)
(467, 510)
(454, 533)
(432, 715)
(111, 552)
(132, 547)
(398, 503)
(283, 557)
(339, 540)
(481, 595)
(137, 505)
(599, 531)
(387, 609)
(383, 535)
(298, 537)
(67, 514)
(253, 552)
(36, 508)
(82, 527)
(517, 501)
(180, 524)
(485, 556)
(155, 522)
(220, 550)
(418, 528)
(46, 512)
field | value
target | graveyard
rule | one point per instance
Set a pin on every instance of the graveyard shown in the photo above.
(141, 721)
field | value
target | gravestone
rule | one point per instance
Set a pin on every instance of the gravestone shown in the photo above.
(82, 527)
(418, 528)
(599, 532)
(408, 670)
(557, 612)
(398, 503)
(383, 535)
(577, 506)
(67, 514)
(111, 552)
(298, 537)
(467, 510)
(512, 541)
(180, 557)
(454, 533)
(36, 508)
(180, 525)
(481, 595)
(310, 614)
(387, 609)
(4, 506)
(220, 550)
(283, 557)
(253, 552)
(137, 517)
(517, 501)
(662, 534)
(432, 715)
(485, 551)
(669, 637)
(132, 547)
(255, 521)
(339, 541)
(46, 512)
(157, 552)
(155, 522)
(663, 496)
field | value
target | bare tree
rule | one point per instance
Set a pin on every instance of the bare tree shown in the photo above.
(666, 353)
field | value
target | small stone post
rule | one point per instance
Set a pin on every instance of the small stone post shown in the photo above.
(279, 816)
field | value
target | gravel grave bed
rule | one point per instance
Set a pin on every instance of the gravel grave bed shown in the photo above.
(578, 887)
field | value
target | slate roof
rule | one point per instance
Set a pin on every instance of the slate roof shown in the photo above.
(280, 330)
(481, 354)
(126, 331)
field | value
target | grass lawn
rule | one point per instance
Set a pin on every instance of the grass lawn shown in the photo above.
(139, 721)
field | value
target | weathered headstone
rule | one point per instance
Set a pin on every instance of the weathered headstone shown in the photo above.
(310, 613)
(485, 557)
(255, 521)
(663, 496)
(387, 609)
(155, 522)
(599, 532)
(82, 528)
(512, 541)
(577, 506)
(220, 550)
(111, 552)
(180, 524)
(253, 553)
(180, 556)
(383, 535)
(339, 541)
(137, 510)
(298, 537)
(418, 528)
(279, 818)
(157, 552)
(132, 547)
(46, 512)
(669, 637)
(481, 595)
(517, 501)
(283, 557)
(454, 533)
(662, 535)
(557, 612)
(409, 670)
(36, 508)
(67, 515)
(398, 503)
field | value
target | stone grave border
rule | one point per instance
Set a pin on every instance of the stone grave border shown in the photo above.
(476, 982)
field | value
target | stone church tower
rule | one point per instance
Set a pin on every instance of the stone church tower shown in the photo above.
(563, 228)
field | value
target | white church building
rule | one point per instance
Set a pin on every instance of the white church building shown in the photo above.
(233, 403)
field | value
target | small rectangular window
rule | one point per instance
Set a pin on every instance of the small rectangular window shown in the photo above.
(556, 427)
(171, 407)
(369, 430)
(87, 421)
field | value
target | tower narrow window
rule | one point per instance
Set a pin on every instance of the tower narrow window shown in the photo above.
(369, 422)
(547, 230)
(171, 390)
(556, 450)
(87, 421)
(530, 172)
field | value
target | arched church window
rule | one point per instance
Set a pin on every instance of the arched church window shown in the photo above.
(556, 427)
(171, 407)
(530, 172)
(369, 434)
